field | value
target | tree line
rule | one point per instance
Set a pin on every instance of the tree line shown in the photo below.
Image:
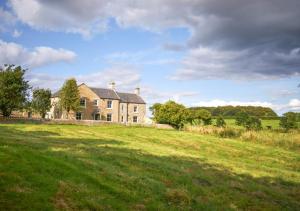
(177, 115)
(17, 95)
(232, 111)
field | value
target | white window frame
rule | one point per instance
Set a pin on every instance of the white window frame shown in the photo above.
(97, 104)
(83, 98)
(111, 117)
(80, 115)
(111, 104)
(137, 119)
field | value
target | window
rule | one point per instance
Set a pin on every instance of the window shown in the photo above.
(109, 104)
(96, 102)
(82, 102)
(78, 116)
(122, 108)
(122, 119)
(97, 116)
(135, 109)
(135, 119)
(109, 117)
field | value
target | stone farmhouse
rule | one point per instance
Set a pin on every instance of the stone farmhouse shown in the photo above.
(104, 104)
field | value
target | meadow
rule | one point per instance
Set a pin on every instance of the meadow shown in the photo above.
(69, 167)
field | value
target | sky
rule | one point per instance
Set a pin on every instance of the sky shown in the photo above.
(196, 52)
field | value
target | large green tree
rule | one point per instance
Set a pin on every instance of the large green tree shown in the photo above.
(170, 113)
(69, 96)
(41, 101)
(289, 121)
(13, 89)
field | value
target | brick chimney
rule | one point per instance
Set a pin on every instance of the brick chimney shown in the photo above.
(137, 91)
(112, 85)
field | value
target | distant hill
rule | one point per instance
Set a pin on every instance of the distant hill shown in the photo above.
(225, 111)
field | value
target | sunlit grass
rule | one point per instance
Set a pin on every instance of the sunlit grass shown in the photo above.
(68, 167)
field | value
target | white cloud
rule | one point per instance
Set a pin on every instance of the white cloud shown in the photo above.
(6, 20)
(13, 53)
(218, 102)
(294, 104)
(126, 77)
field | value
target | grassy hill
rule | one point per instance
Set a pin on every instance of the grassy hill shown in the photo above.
(65, 167)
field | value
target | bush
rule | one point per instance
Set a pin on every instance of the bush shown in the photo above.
(220, 122)
(289, 121)
(170, 113)
(249, 122)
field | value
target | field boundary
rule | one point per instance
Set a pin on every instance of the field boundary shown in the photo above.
(13, 120)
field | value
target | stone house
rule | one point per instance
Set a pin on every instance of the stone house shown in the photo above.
(104, 104)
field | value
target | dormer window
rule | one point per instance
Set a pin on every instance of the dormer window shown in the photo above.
(82, 102)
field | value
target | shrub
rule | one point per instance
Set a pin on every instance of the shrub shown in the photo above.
(229, 133)
(289, 121)
(220, 122)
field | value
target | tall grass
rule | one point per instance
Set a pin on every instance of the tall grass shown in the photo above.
(277, 137)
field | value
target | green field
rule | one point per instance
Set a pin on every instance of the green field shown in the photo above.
(265, 122)
(68, 167)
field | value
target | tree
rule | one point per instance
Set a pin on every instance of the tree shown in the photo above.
(241, 118)
(289, 121)
(220, 122)
(249, 122)
(199, 115)
(13, 89)
(170, 113)
(41, 101)
(253, 123)
(69, 96)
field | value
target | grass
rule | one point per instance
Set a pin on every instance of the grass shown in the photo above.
(265, 122)
(68, 167)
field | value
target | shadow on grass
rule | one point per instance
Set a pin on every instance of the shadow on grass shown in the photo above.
(106, 174)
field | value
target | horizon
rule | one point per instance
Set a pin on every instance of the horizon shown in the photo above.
(211, 54)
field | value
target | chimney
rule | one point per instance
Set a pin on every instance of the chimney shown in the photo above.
(137, 91)
(112, 85)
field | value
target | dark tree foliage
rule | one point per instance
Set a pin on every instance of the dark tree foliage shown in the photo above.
(200, 115)
(69, 96)
(41, 101)
(241, 118)
(289, 121)
(220, 122)
(247, 121)
(13, 89)
(229, 111)
(170, 113)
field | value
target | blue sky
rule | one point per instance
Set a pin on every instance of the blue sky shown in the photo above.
(205, 55)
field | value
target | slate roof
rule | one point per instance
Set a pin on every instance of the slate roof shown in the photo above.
(130, 98)
(111, 94)
(105, 93)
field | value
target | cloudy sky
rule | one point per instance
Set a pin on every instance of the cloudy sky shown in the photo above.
(197, 52)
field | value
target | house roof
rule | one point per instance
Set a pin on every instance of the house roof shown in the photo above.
(111, 94)
(105, 93)
(130, 98)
